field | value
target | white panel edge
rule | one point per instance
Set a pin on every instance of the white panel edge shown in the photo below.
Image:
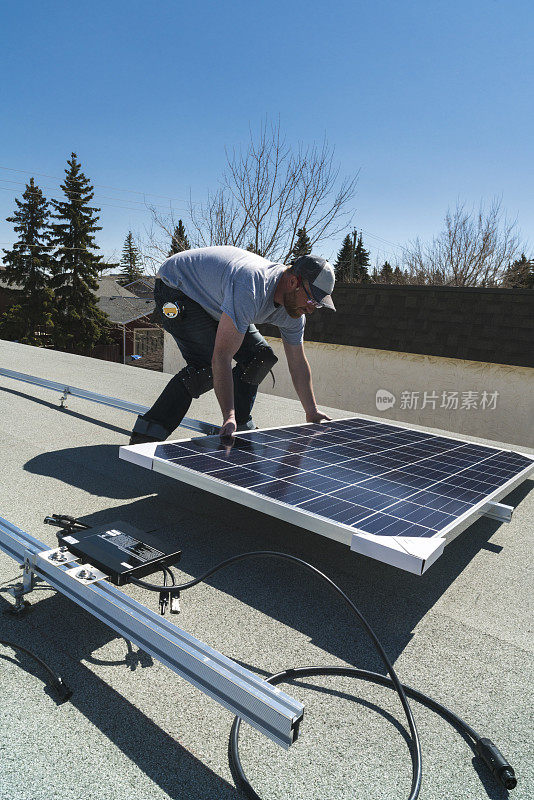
(140, 454)
(412, 554)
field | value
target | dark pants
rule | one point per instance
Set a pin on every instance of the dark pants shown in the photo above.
(194, 332)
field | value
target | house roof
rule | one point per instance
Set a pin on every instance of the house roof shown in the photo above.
(109, 287)
(122, 310)
(142, 287)
(148, 280)
(121, 305)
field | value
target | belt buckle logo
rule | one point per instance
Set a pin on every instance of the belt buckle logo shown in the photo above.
(170, 310)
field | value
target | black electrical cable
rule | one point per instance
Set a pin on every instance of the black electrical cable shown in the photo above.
(164, 594)
(168, 571)
(56, 681)
(351, 672)
(415, 751)
(493, 758)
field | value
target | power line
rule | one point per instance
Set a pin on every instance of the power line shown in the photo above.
(74, 192)
(100, 185)
(107, 205)
(380, 239)
(47, 247)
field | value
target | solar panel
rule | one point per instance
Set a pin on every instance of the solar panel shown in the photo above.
(388, 491)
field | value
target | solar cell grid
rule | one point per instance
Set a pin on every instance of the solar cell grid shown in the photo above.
(390, 488)
(412, 512)
(287, 492)
(274, 469)
(201, 462)
(407, 479)
(320, 483)
(373, 477)
(386, 525)
(363, 496)
(341, 473)
(325, 456)
(440, 503)
(301, 462)
(241, 476)
(338, 510)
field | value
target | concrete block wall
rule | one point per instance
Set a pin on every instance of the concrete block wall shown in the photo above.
(489, 325)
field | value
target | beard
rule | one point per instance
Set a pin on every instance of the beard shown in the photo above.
(290, 304)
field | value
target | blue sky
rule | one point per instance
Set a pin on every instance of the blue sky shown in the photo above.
(430, 101)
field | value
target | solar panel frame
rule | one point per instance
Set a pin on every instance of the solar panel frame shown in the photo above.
(414, 553)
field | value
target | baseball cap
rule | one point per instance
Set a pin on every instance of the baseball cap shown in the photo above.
(320, 275)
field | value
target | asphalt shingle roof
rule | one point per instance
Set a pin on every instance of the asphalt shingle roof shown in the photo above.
(122, 310)
(108, 286)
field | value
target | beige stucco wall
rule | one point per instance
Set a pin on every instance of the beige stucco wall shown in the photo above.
(350, 377)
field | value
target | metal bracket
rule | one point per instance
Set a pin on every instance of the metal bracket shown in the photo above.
(86, 574)
(63, 398)
(28, 575)
(58, 556)
(498, 511)
(18, 591)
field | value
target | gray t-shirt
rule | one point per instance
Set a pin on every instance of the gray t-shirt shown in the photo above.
(234, 281)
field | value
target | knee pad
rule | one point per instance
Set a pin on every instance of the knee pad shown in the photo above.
(259, 366)
(146, 427)
(196, 380)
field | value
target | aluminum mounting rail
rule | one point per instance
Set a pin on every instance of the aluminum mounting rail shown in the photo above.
(114, 402)
(265, 707)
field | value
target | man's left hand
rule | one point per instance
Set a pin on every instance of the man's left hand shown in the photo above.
(316, 416)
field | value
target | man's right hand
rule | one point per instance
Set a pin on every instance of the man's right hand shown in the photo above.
(228, 429)
(227, 434)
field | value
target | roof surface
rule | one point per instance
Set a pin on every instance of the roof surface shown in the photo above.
(143, 287)
(134, 730)
(108, 286)
(122, 310)
(147, 280)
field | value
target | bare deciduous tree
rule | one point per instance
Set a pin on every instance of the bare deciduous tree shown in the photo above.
(474, 249)
(156, 241)
(268, 192)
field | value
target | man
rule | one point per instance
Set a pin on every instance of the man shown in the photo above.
(209, 299)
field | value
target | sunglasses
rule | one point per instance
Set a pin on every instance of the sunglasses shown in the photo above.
(310, 299)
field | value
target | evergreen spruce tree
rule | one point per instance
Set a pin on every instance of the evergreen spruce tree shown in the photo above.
(398, 276)
(361, 262)
(27, 267)
(179, 240)
(130, 261)
(343, 261)
(302, 246)
(78, 322)
(520, 274)
(386, 273)
(106, 264)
